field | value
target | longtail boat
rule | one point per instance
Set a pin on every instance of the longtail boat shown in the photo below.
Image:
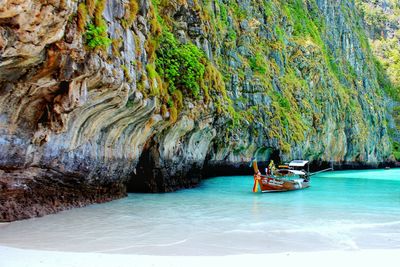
(292, 176)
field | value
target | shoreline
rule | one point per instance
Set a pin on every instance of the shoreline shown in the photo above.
(38, 202)
(14, 257)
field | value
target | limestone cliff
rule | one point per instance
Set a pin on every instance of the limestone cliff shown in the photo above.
(100, 96)
(382, 20)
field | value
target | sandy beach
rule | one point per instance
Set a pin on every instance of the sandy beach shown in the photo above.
(12, 257)
(319, 227)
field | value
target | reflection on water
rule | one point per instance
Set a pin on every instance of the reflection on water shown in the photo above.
(341, 210)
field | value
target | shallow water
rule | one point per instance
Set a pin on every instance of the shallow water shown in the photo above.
(343, 210)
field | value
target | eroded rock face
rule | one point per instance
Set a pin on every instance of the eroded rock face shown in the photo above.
(77, 126)
(72, 126)
(63, 111)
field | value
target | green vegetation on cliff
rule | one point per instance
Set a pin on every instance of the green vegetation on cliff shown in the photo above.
(180, 64)
(90, 19)
(279, 73)
(396, 150)
(182, 70)
(291, 64)
(382, 19)
(96, 36)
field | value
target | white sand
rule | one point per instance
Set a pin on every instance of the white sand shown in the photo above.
(12, 257)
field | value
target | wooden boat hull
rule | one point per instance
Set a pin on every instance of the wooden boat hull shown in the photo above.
(274, 184)
(270, 183)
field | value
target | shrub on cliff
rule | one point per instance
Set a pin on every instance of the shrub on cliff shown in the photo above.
(96, 37)
(396, 150)
(181, 65)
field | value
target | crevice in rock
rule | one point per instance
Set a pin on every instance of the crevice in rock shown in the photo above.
(143, 179)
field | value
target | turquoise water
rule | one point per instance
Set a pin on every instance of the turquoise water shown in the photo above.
(345, 210)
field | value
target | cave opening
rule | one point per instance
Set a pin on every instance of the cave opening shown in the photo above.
(146, 177)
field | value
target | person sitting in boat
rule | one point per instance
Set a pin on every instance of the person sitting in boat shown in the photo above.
(271, 167)
(267, 171)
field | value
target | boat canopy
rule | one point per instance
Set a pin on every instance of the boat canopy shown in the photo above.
(298, 163)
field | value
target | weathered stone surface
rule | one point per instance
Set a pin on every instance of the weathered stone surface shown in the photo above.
(36, 192)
